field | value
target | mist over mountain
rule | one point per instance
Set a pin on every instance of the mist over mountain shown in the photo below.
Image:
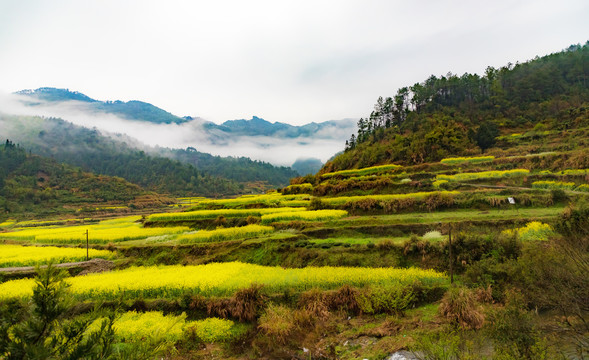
(277, 143)
(130, 110)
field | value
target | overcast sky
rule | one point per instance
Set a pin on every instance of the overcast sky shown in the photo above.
(288, 61)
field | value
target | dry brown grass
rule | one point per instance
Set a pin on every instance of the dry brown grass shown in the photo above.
(459, 305)
(277, 322)
(345, 299)
(244, 305)
(315, 302)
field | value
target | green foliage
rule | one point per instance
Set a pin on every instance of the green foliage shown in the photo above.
(238, 169)
(445, 346)
(93, 152)
(386, 299)
(486, 134)
(34, 183)
(553, 185)
(45, 331)
(514, 331)
(449, 115)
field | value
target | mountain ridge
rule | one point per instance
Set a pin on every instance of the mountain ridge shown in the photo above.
(130, 110)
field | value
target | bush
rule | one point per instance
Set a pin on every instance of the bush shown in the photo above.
(385, 299)
(277, 322)
(459, 305)
(513, 330)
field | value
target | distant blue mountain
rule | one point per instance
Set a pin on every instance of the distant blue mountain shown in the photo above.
(142, 111)
(257, 126)
(131, 110)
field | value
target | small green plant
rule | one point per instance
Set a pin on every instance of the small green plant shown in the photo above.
(444, 346)
(45, 331)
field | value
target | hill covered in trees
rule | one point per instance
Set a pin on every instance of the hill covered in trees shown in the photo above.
(162, 170)
(93, 152)
(455, 115)
(36, 185)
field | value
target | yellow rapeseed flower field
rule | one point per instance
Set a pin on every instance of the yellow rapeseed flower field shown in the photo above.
(17, 255)
(341, 200)
(483, 175)
(473, 159)
(549, 184)
(222, 279)
(213, 214)
(274, 199)
(114, 230)
(534, 230)
(222, 234)
(362, 171)
(154, 326)
(317, 215)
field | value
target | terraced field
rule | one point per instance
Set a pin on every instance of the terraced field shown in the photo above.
(362, 242)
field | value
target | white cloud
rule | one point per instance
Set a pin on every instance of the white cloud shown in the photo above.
(293, 62)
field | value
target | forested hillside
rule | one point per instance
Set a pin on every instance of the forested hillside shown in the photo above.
(463, 115)
(40, 186)
(93, 152)
(240, 169)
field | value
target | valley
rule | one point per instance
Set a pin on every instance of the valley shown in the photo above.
(453, 226)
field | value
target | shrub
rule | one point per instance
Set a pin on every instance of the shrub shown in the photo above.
(345, 298)
(439, 183)
(277, 322)
(245, 303)
(513, 330)
(385, 299)
(315, 302)
(212, 330)
(304, 188)
(438, 200)
(460, 307)
(45, 332)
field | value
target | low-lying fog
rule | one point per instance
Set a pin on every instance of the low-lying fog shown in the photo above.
(273, 149)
